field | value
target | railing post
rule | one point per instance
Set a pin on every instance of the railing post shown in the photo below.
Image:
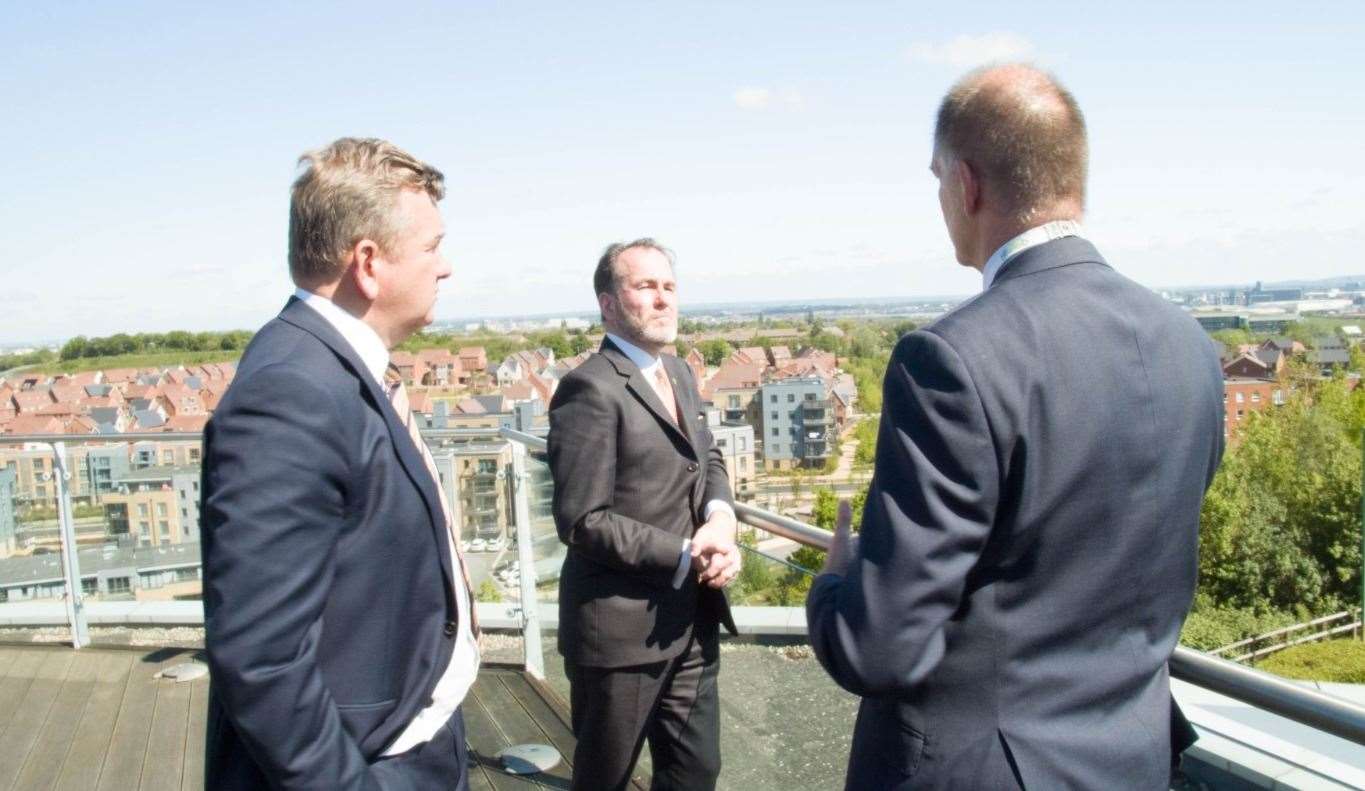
(526, 561)
(71, 564)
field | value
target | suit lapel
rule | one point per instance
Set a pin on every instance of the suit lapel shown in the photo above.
(307, 319)
(643, 391)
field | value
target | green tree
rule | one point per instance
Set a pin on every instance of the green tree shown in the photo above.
(1280, 524)
(74, 348)
(865, 434)
(1231, 339)
(579, 343)
(715, 351)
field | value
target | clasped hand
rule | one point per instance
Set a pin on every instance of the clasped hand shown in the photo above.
(715, 555)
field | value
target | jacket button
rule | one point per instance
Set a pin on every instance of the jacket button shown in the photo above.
(691, 468)
(450, 629)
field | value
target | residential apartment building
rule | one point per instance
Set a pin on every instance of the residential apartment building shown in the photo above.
(156, 506)
(736, 444)
(1241, 397)
(8, 488)
(474, 477)
(798, 421)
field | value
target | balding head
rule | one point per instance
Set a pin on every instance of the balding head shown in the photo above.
(1023, 135)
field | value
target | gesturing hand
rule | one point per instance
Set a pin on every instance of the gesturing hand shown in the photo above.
(844, 548)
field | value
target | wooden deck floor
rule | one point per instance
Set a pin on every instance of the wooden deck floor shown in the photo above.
(101, 719)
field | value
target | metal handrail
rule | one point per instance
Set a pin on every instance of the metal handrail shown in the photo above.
(1262, 690)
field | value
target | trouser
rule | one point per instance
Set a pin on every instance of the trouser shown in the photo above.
(673, 704)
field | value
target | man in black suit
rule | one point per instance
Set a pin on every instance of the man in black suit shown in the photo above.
(643, 504)
(338, 620)
(1028, 547)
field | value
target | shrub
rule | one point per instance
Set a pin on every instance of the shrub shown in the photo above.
(488, 592)
(1333, 660)
(1208, 628)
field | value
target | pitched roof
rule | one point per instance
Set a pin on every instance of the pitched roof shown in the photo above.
(187, 423)
(34, 424)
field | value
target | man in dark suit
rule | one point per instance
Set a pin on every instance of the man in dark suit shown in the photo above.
(643, 503)
(338, 620)
(1028, 547)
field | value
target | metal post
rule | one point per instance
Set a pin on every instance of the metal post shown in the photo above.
(71, 565)
(526, 560)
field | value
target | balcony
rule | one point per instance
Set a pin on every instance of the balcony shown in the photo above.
(98, 717)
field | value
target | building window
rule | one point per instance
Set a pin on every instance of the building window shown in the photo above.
(734, 402)
(775, 431)
(184, 513)
(743, 444)
(118, 585)
(1255, 398)
(776, 448)
(142, 509)
(791, 398)
(743, 463)
(774, 416)
(774, 397)
(721, 443)
(167, 457)
(160, 509)
(194, 455)
(1239, 398)
(145, 529)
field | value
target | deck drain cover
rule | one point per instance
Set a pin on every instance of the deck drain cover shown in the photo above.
(185, 671)
(528, 759)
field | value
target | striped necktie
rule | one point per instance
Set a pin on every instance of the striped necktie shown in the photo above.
(398, 396)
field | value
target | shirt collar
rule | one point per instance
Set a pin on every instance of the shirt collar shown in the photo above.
(640, 357)
(1030, 238)
(361, 336)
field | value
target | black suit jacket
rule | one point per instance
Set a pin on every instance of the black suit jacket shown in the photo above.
(630, 487)
(1029, 543)
(326, 568)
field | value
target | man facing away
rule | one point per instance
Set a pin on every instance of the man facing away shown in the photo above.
(642, 502)
(338, 619)
(1028, 547)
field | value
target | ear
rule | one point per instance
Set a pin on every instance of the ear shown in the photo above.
(606, 303)
(969, 185)
(364, 266)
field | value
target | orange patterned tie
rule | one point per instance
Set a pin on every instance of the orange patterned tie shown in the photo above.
(665, 392)
(398, 396)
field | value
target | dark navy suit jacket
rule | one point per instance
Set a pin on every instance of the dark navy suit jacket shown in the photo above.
(327, 597)
(1029, 544)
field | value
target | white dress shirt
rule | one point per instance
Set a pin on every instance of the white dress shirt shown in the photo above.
(649, 366)
(1030, 238)
(459, 675)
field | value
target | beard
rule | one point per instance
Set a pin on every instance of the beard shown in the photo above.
(652, 333)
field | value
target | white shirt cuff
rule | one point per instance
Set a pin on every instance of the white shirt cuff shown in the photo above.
(720, 505)
(684, 564)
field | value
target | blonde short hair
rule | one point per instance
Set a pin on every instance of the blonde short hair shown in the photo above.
(348, 191)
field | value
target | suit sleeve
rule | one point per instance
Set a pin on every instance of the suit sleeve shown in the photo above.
(275, 476)
(880, 629)
(582, 455)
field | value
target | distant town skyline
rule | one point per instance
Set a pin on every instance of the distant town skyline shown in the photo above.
(780, 149)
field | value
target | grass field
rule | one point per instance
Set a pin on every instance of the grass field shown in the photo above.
(155, 360)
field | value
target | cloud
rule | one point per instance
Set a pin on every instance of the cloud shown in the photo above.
(963, 51)
(760, 98)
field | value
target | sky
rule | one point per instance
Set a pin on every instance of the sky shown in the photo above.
(781, 149)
